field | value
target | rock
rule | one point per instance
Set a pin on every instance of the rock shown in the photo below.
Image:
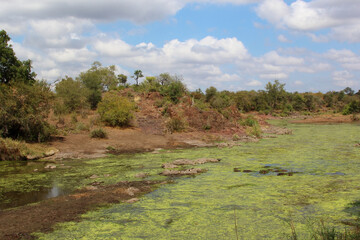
(282, 174)
(183, 162)
(191, 171)
(141, 175)
(247, 171)
(132, 200)
(50, 166)
(107, 175)
(49, 153)
(94, 176)
(96, 183)
(168, 165)
(207, 160)
(132, 191)
(237, 170)
(91, 188)
(30, 157)
(264, 171)
(35, 170)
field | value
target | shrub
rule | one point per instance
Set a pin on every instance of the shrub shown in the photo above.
(174, 91)
(98, 133)
(249, 121)
(353, 107)
(115, 110)
(255, 130)
(82, 127)
(12, 150)
(175, 124)
(23, 112)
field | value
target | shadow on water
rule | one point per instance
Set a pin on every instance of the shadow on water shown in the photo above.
(16, 199)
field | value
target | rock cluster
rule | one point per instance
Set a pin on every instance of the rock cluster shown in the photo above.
(182, 162)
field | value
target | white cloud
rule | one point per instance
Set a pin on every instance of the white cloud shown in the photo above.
(341, 17)
(253, 83)
(344, 79)
(298, 83)
(274, 76)
(283, 39)
(347, 59)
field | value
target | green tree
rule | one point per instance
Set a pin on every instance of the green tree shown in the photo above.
(137, 74)
(24, 109)
(275, 94)
(164, 78)
(349, 91)
(12, 69)
(174, 91)
(122, 79)
(72, 93)
(210, 93)
(98, 79)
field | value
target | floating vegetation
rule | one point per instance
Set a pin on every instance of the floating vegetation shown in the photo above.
(325, 174)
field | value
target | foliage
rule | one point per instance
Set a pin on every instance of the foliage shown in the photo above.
(275, 94)
(12, 150)
(137, 74)
(12, 69)
(122, 79)
(24, 111)
(97, 80)
(98, 133)
(353, 107)
(174, 90)
(72, 94)
(210, 93)
(175, 124)
(164, 78)
(115, 110)
(249, 121)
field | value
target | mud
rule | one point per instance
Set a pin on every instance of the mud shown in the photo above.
(19, 223)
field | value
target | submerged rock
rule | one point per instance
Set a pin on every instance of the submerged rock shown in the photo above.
(132, 191)
(180, 162)
(141, 175)
(191, 171)
(50, 166)
(132, 200)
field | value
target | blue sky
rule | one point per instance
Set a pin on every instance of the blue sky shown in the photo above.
(230, 44)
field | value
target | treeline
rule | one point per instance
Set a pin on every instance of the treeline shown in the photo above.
(26, 102)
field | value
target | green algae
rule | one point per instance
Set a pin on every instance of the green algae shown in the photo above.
(324, 188)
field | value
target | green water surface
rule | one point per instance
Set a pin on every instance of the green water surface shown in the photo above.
(221, 202)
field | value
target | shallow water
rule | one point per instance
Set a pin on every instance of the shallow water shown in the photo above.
(213, 204)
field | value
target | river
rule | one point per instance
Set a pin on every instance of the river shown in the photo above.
(219, 204)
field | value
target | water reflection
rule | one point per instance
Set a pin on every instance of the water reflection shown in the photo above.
(17, 199)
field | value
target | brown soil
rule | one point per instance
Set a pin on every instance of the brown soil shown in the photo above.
(325, 119)
(130, 140)
(20, 222)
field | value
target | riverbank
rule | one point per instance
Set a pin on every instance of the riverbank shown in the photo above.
(19, 223)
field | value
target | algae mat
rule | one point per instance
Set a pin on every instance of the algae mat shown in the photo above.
(212, 205)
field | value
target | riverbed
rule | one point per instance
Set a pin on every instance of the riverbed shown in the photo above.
(220, 204)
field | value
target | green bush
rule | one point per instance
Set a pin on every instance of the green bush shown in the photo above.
(250, 121)
(23, 112)
(175, 124)
(115, 110)
(98, 133)
(12, 150)
(255, 130)
(174, 91)
(353, 107)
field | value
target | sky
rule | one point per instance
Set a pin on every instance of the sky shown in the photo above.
(311, 45)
